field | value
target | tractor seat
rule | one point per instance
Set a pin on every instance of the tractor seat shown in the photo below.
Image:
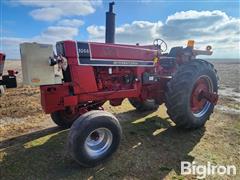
(175, 51)
(169, 60)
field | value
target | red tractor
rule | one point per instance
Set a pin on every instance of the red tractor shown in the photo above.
(94, 73)
(6, 80)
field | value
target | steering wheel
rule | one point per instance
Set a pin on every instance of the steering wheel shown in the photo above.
(160, 44)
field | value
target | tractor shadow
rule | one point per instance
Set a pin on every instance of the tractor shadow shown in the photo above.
(149, 150)
(28, 137)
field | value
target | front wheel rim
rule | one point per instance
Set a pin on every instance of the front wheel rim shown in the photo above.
(200, 107)
(98, 142)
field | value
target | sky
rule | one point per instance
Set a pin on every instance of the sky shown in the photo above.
(215, 23)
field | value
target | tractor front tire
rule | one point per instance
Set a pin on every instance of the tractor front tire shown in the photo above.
(182, 99)
(94, 137)
(147, 105)
(64, 119)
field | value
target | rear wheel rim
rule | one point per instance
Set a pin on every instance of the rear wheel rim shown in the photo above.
(98, 142)
(200, 106)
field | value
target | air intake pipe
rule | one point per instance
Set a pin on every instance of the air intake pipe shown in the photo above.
(110, 25)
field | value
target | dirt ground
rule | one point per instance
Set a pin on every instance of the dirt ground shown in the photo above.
(32, 147)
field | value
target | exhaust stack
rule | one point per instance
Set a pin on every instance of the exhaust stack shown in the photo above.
(110, 25)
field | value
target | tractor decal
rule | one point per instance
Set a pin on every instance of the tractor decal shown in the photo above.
(85, 57)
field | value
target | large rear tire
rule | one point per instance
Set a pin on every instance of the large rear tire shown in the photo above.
(94, 137)
(147, 105)
(182, 96)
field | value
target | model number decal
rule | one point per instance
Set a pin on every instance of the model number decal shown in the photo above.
(83, 51)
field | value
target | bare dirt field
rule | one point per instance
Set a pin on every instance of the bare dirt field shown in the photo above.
(32, 147)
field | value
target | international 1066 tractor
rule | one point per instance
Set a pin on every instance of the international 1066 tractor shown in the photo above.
(93, 73)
